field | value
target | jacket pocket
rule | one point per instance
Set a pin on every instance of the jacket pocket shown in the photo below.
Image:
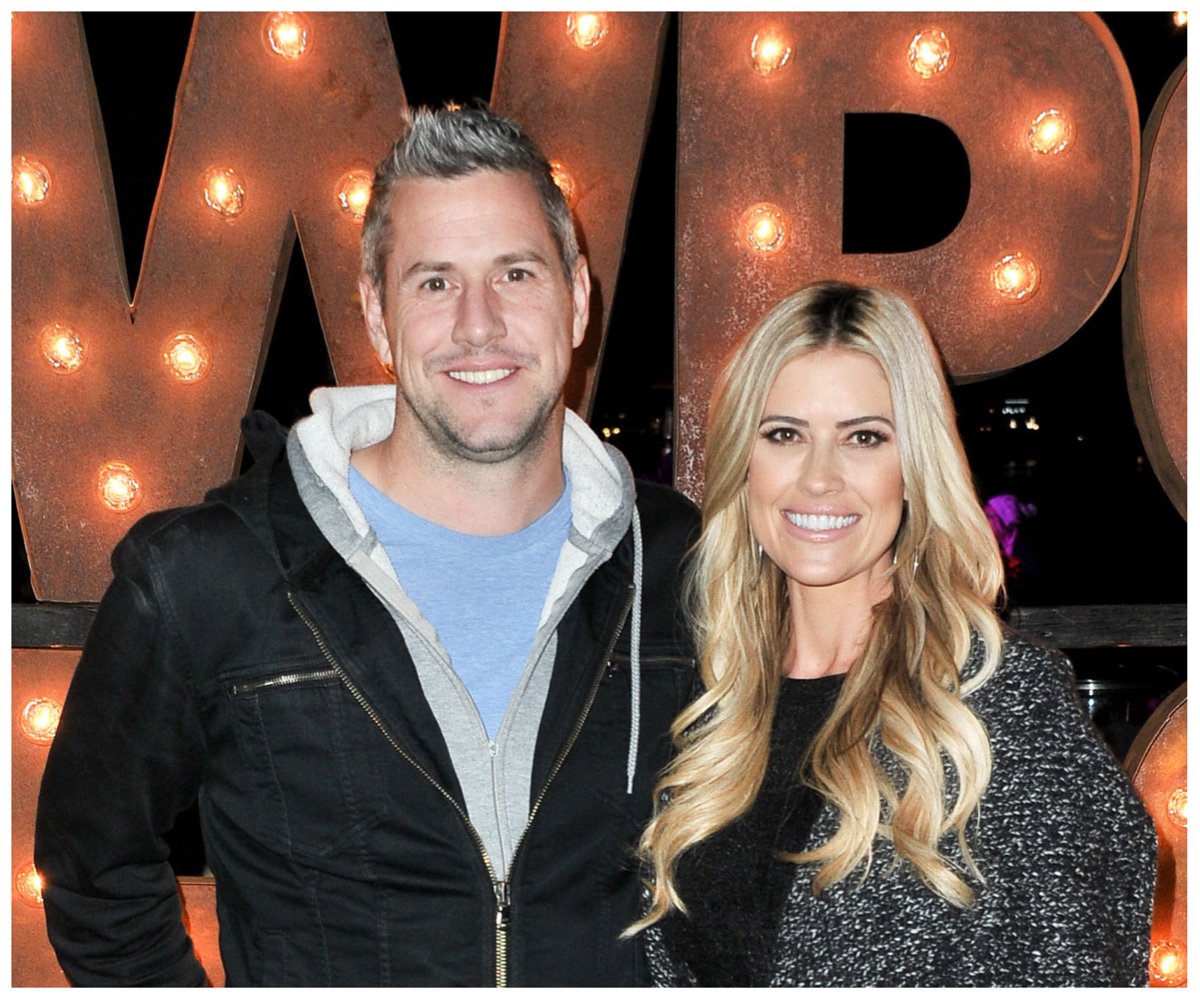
(311, 759)
(666, 682)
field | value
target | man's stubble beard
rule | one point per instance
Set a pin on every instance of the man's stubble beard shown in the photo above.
(452, 442)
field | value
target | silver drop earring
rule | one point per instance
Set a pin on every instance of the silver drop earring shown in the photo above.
(899, 532)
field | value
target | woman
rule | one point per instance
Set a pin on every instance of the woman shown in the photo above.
(879, 785)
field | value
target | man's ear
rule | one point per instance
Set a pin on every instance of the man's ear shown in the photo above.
(372, 307)
(581, 291)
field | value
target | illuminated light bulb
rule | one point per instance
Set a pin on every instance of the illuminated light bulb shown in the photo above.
(929, 52)
(764, 228)
(770, 51)
(224, 192)
(29, 885)
(587, 29)
(62, 348)
(186, 356)
(354, 193)
(1015, 276)
(1180, 18)
(30, 181)
(286, 33)
(119, 487)
(1177, 807)
(565, 182)
(1051, 132)
(1168, 964)
(39, 720)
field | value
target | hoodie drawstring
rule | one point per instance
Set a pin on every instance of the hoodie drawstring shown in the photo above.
(635, 664)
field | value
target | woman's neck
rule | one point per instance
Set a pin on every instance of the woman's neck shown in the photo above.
(829, 630)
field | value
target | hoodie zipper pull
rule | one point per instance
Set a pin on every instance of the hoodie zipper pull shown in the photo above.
(503, 902)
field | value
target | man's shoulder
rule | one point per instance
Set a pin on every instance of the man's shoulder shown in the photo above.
(668, 517)
(229, 509)
(195, 536)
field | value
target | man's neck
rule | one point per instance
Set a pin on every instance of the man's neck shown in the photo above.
(477, 498)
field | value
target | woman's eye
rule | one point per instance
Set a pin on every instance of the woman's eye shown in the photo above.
(868, 439)
(780, 435)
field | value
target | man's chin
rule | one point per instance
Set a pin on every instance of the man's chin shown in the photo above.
(494, 446)
(492, 439)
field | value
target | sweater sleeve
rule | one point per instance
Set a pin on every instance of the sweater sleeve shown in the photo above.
(126, 760)
(666, 970)
(1068, 848)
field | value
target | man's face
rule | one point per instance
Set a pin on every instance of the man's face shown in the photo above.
(479, 321)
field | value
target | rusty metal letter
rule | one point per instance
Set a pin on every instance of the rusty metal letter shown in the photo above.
(748, 137)
(1154, 294)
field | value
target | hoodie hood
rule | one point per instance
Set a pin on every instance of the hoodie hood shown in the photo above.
(345, 419)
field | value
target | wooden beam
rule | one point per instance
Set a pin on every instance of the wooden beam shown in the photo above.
(1070, 627)
(51, 624)
(1077, 627)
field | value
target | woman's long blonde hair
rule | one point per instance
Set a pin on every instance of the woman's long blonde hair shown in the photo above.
(906, 691)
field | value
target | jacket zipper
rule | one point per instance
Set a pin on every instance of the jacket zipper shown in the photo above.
(500, 887)
(279, 680)
(502, 892)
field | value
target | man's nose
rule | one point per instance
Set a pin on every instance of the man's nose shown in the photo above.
(479, 320)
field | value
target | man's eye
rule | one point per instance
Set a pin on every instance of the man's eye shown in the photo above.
(516, 275)
(435, 284)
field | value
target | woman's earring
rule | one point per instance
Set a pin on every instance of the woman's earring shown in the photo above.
(900, 532)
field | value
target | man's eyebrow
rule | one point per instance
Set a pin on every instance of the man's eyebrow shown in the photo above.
(522, 255)
(422, 267)
(515, 257)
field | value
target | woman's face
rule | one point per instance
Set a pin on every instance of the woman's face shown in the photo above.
(825, 490)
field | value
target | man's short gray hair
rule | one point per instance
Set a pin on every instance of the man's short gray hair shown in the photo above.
(452, 142)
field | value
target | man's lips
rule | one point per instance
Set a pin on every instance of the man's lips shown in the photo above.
(480, 377)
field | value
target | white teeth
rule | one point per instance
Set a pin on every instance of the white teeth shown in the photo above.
(482, 378)
(820, 522)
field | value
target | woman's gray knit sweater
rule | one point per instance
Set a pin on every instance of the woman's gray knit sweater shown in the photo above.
(1065, 846)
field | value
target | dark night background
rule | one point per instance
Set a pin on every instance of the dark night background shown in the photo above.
(1105, 533)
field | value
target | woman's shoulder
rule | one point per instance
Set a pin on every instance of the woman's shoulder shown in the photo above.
(1027, 669)
(1031, 710)
(1044, 744)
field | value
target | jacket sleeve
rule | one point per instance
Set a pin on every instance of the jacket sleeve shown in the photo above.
(1078, 849)
(126, 760)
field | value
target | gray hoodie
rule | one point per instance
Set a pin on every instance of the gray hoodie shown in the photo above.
(494, 775)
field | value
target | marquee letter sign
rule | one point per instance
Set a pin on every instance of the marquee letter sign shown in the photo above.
(1043, 106)
(1154, 295)
(122, 407)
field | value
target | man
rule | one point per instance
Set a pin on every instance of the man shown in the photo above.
(419, 663)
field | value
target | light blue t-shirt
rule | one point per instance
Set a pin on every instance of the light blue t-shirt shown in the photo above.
(482, 593)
